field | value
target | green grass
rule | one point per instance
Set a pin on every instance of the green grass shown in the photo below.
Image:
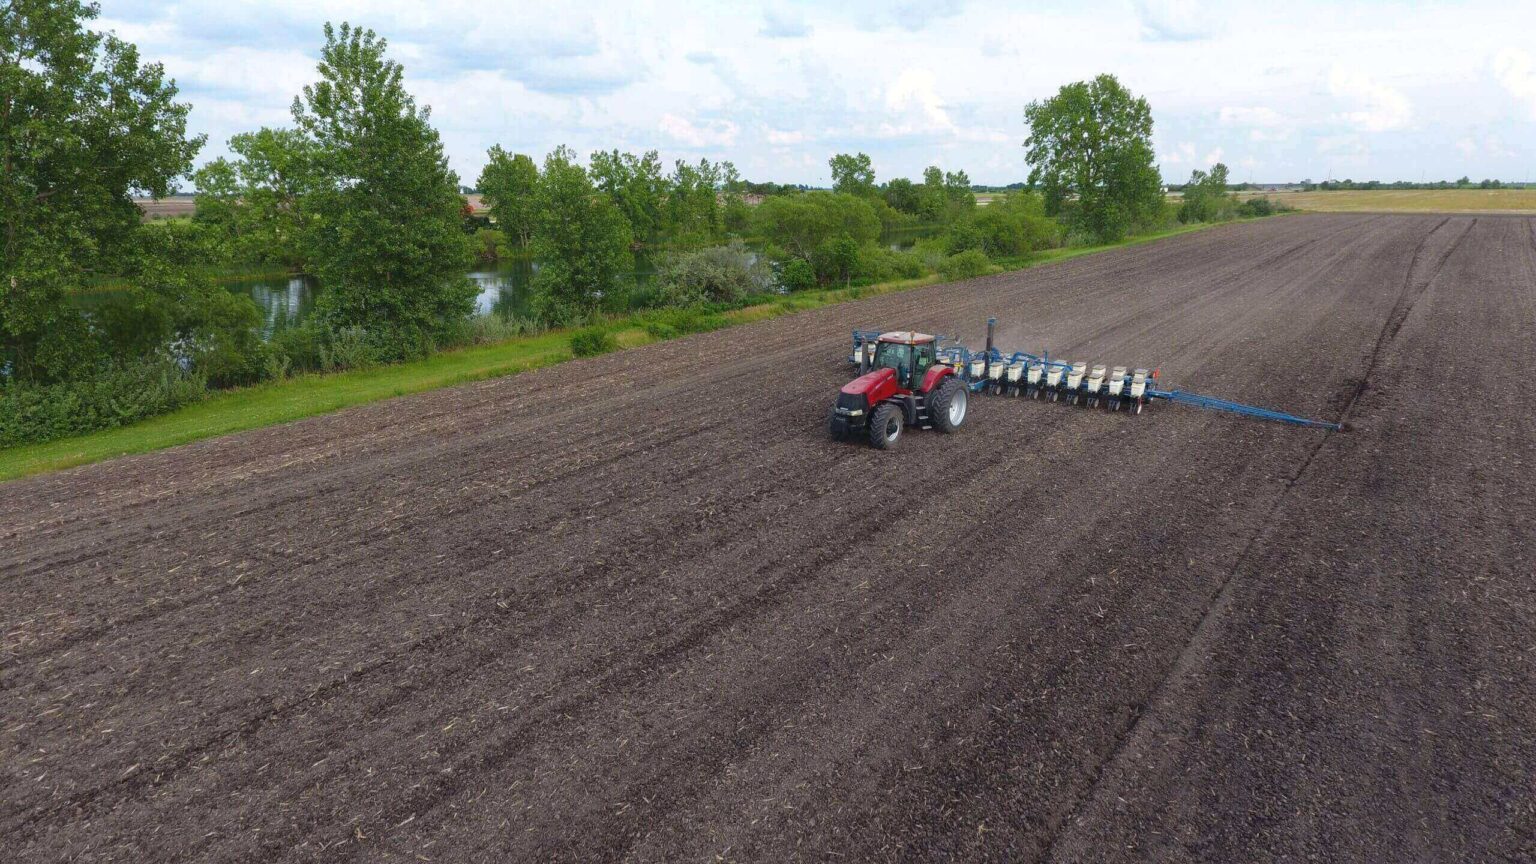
(309, 395)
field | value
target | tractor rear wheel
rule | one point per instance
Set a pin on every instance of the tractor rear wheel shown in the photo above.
(947, 405)
(885, 426)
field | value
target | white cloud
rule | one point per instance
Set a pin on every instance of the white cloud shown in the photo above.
(1183, 154)
(780, 22)
(914, 93)
(1262, 115)
(781, 138)
(1214, 156)
(1515, 71)
(1467, 147)
(1174, 20)
(714, 133)
(1376, 107)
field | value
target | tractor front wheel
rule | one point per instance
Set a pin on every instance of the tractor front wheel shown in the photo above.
(947, 406)
(837, 427)
(885, 426)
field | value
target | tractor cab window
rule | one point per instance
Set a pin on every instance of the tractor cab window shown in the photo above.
(895, 355)
(925, 357)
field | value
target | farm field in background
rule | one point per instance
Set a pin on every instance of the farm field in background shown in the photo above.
(1408, 200)
(640, 607)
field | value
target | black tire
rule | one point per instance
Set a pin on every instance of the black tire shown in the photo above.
(835, 428)
(942, 406)
(885, 426)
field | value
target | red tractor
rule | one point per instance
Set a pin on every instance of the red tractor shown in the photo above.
(903, 385)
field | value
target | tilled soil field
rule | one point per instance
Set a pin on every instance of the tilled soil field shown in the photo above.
(640, 607)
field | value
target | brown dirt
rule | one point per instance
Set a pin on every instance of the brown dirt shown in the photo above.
(638, 607)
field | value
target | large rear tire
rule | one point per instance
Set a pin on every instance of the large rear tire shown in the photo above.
(885, 426)
(947, 405)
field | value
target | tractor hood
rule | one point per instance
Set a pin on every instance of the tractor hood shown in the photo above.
(882, 380)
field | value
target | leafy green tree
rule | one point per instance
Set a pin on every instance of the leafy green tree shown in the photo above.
(901, 194)
(83, 128)
(580, 238)
(1090, 152)
(636, 185)
(932, 198)
(735, 213)
(1205, 196)
(508, 183)
(694, 214)
(853, 174)
(169, 300)
(1012, 225)
(255, 203)
(799, 224)
(836, 258)
(385, 238)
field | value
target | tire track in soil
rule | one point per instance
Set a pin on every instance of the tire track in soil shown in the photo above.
(1188, 658)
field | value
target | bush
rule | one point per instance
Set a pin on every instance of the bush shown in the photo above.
(592, 341)
(797, 275)
(1263, 206)
(1010, 226)
(966, 265)
(671, 323)
(879, 264)
(31, 414)
(490, 244)
(835, 259)
(963, 237)
(718, 274)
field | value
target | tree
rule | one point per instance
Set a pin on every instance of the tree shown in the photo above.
(901, 194)
(1090, 152)
(385, 239)
(83, 128)
(254, 204)
(636, 185)
(508, 183)
(1205, 196)
(694, 214)
(800, 223)
(853, 174)
(580, 238)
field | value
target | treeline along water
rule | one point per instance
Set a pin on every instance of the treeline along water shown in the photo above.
(505, 286)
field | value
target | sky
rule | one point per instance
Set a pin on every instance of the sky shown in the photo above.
(1278, 91)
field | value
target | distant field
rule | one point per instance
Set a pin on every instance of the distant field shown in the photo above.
(1410, 200)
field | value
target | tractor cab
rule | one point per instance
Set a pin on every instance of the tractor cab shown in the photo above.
(910, 355)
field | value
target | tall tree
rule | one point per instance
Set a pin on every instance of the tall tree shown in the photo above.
(385, 238)
(1092, 142)
(636, 185)
(853, 174)
(694, 216)
(1205, 196)
(255, 202)
(901, 194)
(509, 183)
(580, 238)
(83, 128)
